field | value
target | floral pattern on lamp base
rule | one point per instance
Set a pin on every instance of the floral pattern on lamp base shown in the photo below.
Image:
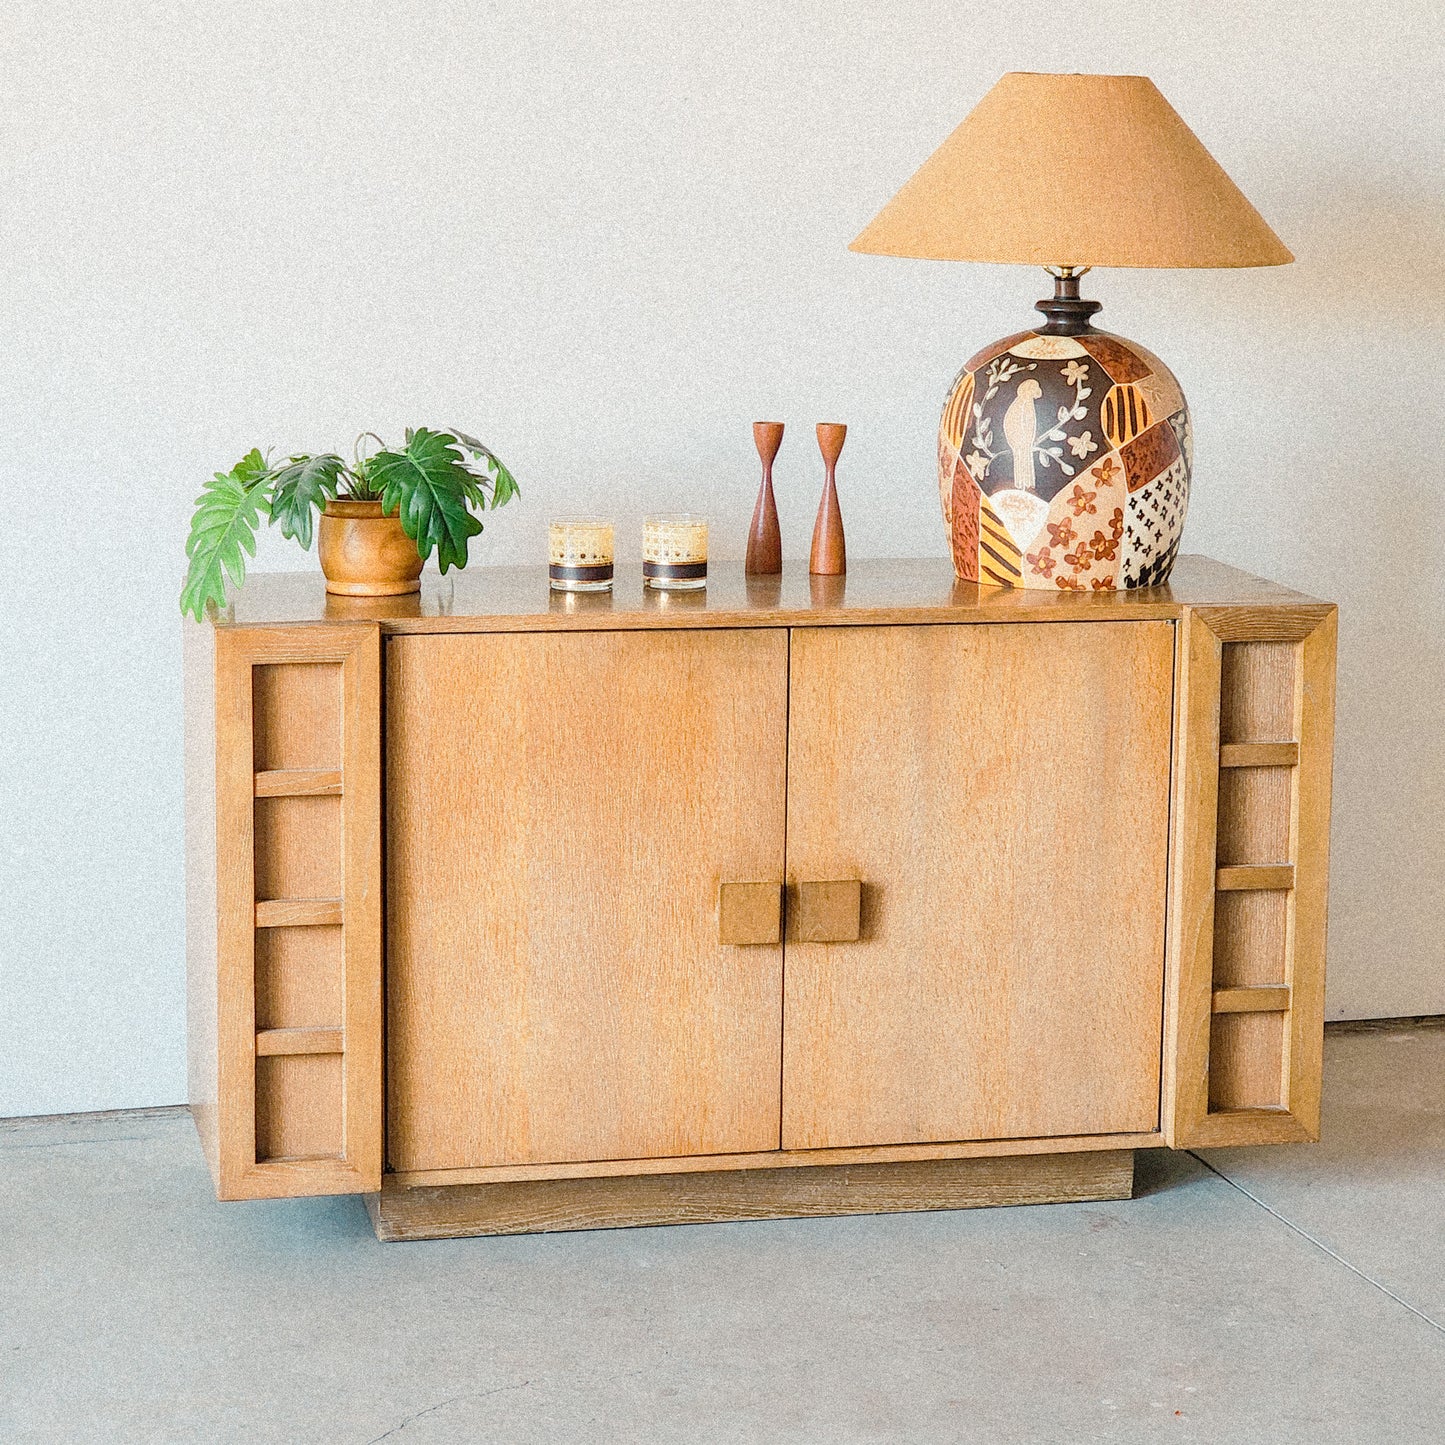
(1063, 463)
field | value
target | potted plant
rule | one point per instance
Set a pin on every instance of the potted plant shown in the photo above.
(381, 516)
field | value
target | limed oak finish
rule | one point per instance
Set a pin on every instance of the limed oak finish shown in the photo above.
(797, 895)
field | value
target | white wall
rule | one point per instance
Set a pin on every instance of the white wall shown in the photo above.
(608, 237)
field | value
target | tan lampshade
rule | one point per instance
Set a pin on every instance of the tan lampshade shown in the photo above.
(1073, 170)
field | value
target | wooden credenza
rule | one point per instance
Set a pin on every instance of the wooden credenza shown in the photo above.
(517, 911)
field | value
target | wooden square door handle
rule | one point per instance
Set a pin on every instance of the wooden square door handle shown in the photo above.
(750, 913)
(829, 912)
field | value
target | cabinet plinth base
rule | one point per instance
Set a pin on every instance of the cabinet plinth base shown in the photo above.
(546, 1205)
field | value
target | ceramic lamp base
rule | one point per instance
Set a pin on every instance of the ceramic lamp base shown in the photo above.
(1063, 463)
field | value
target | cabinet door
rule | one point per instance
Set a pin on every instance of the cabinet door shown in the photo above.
(561, 810)
(1002, 792)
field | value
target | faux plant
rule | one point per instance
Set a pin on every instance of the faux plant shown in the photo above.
(437, 483)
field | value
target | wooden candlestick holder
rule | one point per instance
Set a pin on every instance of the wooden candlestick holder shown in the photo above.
(829, 557)
(765, 541)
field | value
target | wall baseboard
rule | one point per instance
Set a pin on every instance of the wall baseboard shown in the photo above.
(1371, 1026)
(93, 1116)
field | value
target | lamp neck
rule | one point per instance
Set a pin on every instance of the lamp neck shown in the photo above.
(1067, 314)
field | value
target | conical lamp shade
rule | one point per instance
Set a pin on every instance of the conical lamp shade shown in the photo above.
(1074, 170)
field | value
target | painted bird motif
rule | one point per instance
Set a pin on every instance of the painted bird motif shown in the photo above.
(1021, 430)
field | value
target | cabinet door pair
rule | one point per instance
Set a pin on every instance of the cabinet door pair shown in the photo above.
(563, 808)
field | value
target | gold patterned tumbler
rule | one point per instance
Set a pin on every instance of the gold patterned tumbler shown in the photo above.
(674, 552)
(579, 554)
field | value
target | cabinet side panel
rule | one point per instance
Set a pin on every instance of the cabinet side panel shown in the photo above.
(297, 910)
(1245, 1030)
(199, 696)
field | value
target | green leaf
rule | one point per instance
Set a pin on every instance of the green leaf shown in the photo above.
(503, 483)
(227, 514)
(301, 488)
(427, 484)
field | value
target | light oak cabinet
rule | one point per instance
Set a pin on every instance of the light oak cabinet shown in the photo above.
(519, 912)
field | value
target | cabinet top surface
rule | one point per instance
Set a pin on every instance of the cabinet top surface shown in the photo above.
(921, 589)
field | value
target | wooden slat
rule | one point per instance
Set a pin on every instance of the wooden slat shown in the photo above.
(1227, 1128)
(298, 912)
(1258, 755)
(650, 1199)
(298, 783)
(1254, 875)
(1194, 820)
(272, 1042)
(1305, 1042)
(1251, 1000)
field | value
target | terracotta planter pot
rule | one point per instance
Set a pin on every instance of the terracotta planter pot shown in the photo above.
(364, 554)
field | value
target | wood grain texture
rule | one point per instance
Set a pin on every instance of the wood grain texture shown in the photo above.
(556, 988)
(276, 1110)
(1251, 946)
(1256, 688)
(1255, 815)
(299, 977)
(298, 847)
(1304, 1062)
(1254, 875)
(275, 1042)
(297, 717)
(298, 783)
(300, 1111)
(1258, 755)
(564, 1204)
(1009, 975)
(1273, 999)
(1194, 817)
(497, 599)
(778, 1159)
(1246, 1061)
(301, 912)
(1264, 619)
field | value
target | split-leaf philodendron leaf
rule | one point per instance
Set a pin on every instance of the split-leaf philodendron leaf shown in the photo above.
(301, 488)
(428, 485)
(503, 483)
(228, 512)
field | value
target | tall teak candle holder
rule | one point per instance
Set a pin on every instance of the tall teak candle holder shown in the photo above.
(765, 541)
(829, 557)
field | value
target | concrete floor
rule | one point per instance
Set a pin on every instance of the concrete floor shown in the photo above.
(1285, 1295)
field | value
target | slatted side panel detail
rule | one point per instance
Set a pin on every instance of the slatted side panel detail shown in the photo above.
(1254, 856)
(298, 792)
(1249, 874)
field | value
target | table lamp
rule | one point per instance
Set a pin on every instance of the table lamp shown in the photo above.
(1064, 452)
